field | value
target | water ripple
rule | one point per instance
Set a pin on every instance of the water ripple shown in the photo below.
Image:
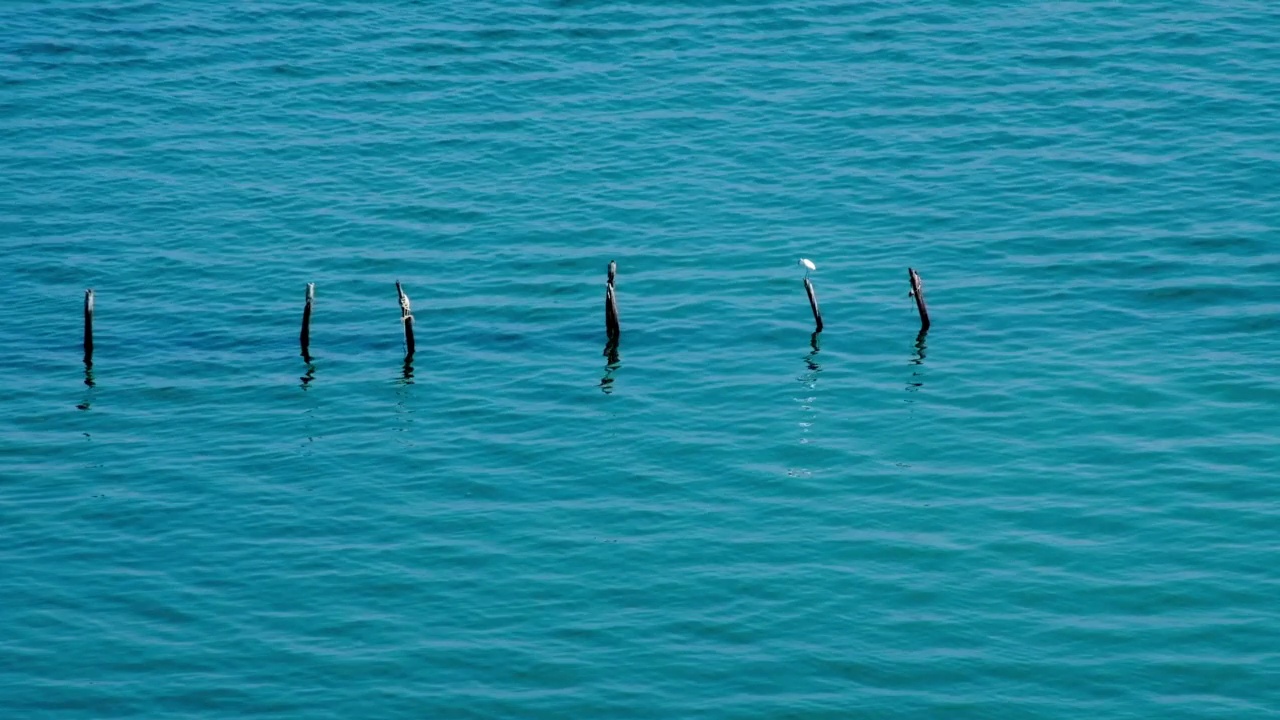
(1059, 499)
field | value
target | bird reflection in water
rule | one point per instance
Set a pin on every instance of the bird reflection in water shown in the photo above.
(610, 353)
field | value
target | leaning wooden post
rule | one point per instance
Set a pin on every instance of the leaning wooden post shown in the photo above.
(813, 305)
(305, 338)
(611, 305)
(917, 292)
(88, 327)
(406, 317)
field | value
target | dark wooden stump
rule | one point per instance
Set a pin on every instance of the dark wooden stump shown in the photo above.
(406, 317)
(305, 338)
(813, 305)
(917, 292)
(611, 326)
(88, 328)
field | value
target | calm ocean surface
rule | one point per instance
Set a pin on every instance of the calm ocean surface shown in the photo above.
(1063, 502)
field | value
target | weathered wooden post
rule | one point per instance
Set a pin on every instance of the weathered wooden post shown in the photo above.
(808, 266)
(88, 328)
(813, 295)
(613, 331)
(917, 292)
(406, 317)
(611, 327)
(813, 305)
(305, 338)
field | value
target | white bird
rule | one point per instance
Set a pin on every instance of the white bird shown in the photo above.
(806, 262)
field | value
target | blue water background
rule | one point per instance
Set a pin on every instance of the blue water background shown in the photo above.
(1061, 502)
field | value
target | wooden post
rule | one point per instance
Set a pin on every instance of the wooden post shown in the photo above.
(813, 305)
(305, 338)
(406, 317)
(611, 313)
(917, 292)
(611, 305)
(88, 328)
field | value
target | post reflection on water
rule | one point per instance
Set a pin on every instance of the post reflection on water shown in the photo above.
(611, 353)
(811, 359)
(809, 379)
(89, 385)
(311, 375)
(916, 381)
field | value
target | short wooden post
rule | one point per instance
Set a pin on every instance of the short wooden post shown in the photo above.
(88, 327)
(813, 305)
(612, 329)
(305, 338)
(917, 292)
(406, 317)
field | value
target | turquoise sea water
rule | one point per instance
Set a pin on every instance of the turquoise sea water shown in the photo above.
(1062, 502)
